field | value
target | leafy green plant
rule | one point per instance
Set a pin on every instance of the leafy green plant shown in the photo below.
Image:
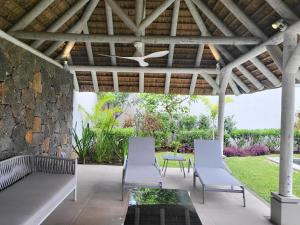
(84, 144)
(103, 120)
(175, 146)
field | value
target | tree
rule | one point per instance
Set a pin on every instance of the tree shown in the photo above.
(213, 109)
(229, 124)
(188, 122)
(171, 104)
(204, 122)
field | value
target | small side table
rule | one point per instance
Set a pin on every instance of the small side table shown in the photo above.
(168, 158)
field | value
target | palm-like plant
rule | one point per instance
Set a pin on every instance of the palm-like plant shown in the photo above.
(84, 144)
(213, 109)
(103, 120)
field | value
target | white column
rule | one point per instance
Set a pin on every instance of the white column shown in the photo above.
(287, 118)
(221, 112)
(221, 118)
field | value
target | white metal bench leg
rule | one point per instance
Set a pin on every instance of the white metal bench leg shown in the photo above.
(75, 194)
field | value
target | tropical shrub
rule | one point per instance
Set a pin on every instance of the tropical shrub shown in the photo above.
(257, 150)
(83, 145)
(234, 151)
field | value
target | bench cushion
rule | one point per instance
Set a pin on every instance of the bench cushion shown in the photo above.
(34, 197)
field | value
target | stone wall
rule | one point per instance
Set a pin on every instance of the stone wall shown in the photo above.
(36, 100)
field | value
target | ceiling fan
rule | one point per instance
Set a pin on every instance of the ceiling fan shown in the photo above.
(138, 55)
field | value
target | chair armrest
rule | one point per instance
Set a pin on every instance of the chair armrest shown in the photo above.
(190, 163)
(48, 164)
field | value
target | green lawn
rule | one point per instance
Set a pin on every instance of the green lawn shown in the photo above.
(257, 173)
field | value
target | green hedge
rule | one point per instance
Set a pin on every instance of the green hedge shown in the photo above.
(188, 137)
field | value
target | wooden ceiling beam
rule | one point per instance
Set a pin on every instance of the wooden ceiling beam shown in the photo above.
(76, 28)
(243, 86)
(175, 14)
(99, 38)
(254, 29)
(112, 48)
(154, 15)
(283, 10)
(75, 80)
(62, 20)
(84, 19)
(214, 50)
(201, 25)
(122, 15)
(28, 48)
(224, 29)
(31, 15)
(142, 69)
(234, 88)
(89, 51)
(277, 38)
(140, 12)
(242, 69)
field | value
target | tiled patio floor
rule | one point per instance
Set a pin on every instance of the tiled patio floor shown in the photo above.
(99, 193)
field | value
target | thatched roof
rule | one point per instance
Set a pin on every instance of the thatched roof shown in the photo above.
(260, 12)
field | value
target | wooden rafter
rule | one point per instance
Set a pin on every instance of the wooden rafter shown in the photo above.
(172, 46)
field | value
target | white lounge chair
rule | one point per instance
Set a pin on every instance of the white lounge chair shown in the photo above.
(140, 168)
(211, 170)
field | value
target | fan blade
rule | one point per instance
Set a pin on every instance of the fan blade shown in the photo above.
(140, 60)
(122, 57)
(156, 54)
(142, 63)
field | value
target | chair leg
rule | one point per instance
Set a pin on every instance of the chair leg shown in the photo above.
(203, 190)
(75, 194)
(122, 192)
(194, 179)
(244, 197)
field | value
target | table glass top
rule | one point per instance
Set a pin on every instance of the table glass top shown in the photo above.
(173, 157)
(151, 206)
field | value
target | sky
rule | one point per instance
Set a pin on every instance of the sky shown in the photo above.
(253, 111)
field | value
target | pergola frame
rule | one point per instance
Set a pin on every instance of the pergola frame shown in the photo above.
(141, 23)
(287, 61)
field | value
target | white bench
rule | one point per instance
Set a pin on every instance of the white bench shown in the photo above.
(31, 187)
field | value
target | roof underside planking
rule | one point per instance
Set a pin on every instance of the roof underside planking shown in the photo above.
(250, 21)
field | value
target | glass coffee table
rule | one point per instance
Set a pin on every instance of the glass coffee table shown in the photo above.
(173, 157)
(154, 206)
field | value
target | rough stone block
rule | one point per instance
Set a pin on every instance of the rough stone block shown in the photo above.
(46, 145)
(28, 136)
(37, 83)
(37, 124)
